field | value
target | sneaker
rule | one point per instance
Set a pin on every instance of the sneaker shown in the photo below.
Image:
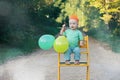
(67, 62)
(76, 62)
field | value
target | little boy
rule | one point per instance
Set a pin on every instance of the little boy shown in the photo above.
(75, 39)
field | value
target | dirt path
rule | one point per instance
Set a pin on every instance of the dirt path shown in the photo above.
(42, 65)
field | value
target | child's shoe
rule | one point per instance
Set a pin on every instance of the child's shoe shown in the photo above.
(76, 62)
(67, 62)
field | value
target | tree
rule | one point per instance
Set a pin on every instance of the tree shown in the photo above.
(69, 7)
(24, 21)
(90, 12)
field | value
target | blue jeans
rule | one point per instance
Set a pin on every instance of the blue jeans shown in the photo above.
(75, 50)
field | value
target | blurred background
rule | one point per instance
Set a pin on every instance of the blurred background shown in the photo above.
(22, 22)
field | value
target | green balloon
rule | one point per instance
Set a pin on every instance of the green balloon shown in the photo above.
(45, 42)
(61, 44)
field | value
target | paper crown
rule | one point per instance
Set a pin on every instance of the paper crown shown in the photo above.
(74, 17)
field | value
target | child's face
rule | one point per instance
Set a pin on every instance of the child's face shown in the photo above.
(73, 24)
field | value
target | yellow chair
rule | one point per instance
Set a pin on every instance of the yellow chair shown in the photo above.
(85, 64)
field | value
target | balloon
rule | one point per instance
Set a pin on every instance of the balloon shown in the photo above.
(61, 44)
(45, 42)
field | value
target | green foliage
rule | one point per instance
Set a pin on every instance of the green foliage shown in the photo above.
(69, 7)
(115, 43)
(26, 21)
(114, 24)
(102, 34)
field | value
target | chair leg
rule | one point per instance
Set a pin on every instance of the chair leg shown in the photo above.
(58, 72)
(58, 66)
(88, 73)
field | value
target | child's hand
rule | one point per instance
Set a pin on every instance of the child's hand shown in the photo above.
(81, 43)
(63, 29)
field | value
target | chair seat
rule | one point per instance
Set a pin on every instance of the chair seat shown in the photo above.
(72, 64)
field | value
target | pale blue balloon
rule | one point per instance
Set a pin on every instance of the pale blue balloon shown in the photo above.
(45, 42)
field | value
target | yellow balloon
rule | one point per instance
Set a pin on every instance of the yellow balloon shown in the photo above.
(61, 44)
